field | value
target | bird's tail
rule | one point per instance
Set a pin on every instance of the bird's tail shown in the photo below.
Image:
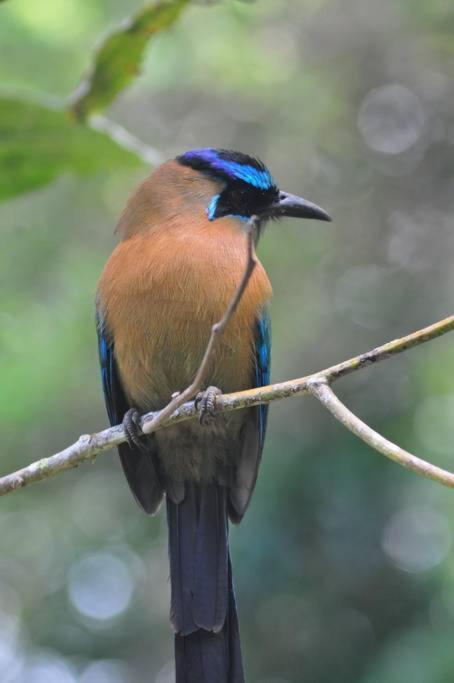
(203, 608)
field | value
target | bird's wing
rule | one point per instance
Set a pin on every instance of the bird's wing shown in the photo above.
(140, 466)
(263, 367)
(253, 432)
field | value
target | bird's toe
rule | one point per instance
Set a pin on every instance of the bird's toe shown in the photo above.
(133, 429)
(205, 402)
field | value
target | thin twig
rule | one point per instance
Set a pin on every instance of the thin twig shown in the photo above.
(89, 446)
(321, 390)
(125, 139)
(216, 333)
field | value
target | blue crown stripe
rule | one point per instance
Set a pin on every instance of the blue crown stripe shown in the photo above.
(237, 171)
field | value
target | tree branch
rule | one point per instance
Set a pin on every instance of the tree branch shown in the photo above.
(125, 139)
(323, 392)
(89, 446)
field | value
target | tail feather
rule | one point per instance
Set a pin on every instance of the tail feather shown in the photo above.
(211, 565)
(182, 523)
(201, 657)
(236, 674)
(203, 608)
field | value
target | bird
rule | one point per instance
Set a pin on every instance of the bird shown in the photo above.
(179, 260)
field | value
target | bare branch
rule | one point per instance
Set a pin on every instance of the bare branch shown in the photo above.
(323, 392)
(89, 446)
(298, 387)
(125, 139)
(391, 348)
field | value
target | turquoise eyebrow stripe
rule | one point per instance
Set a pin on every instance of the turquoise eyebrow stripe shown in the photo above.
(245, 172)
(260, 179)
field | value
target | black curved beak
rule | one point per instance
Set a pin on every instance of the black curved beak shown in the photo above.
(297, 207)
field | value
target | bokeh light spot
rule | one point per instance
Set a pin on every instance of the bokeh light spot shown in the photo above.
(100, 586)
(391, 119)
(361, 294)
(434, 424)
(417, 538)
(47, 668)
(106, 671)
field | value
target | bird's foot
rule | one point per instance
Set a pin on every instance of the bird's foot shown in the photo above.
(133, 429)
(205, 403)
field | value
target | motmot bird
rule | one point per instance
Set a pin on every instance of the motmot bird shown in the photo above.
(179, 261)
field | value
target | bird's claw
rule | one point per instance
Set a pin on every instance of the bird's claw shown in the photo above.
(133, 429)
(205, 403)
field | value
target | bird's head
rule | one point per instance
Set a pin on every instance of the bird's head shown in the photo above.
(246, 187)
(214, 183)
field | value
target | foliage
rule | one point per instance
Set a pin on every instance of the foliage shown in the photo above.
(118, 59)
(39, 144)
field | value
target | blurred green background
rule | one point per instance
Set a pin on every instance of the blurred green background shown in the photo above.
(344, 565)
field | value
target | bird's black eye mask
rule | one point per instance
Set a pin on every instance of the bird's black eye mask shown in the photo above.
(241, 200)
(248, 185)
(249, 188)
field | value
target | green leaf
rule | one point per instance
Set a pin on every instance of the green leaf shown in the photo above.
(118, 59)
(37, 144)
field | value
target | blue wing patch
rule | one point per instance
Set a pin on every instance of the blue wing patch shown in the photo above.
(140, 466)
(263, 365)
(253, 433)
(116, 403)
